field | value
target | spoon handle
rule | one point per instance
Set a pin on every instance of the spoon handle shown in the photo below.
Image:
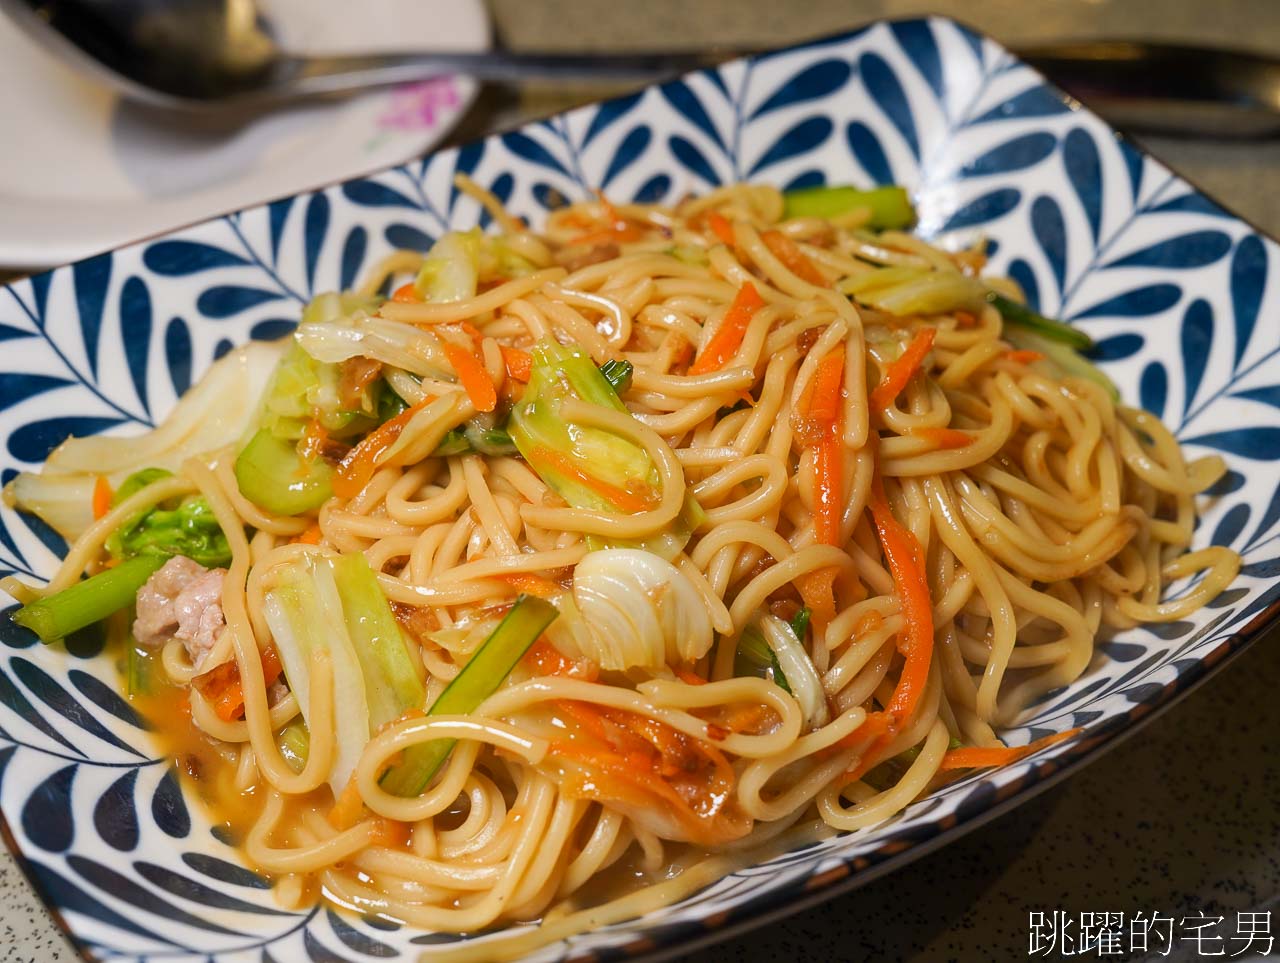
(1163, 88)
(327, 75)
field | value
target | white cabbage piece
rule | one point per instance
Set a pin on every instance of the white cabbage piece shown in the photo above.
(640, 611)
(212, 415)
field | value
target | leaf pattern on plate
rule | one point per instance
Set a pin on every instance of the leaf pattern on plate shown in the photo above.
(1177, 293)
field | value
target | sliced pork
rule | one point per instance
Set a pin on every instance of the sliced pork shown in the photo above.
(182, 600)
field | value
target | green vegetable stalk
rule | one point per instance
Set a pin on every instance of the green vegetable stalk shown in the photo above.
(92, 600)
(1019, 314)
(478, 680)
(890, 206)
(270, 473)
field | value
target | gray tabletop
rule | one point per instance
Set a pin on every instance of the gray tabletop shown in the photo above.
(1181, 820)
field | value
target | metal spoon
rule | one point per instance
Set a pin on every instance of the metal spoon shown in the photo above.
(219, 54)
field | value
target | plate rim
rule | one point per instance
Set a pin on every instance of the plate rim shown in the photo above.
(1067, 759)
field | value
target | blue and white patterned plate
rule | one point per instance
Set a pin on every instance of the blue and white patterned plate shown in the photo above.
(1180, 295)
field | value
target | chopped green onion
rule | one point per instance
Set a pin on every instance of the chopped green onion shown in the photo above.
(890, 206)
(1020, 314)
(618, 374)
(272, 474)
(478, 680)
(77, 606)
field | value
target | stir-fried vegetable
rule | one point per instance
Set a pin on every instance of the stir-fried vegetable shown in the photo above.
(797, 668)
(271, 474)
(471, 437)
(890, 206)
(755, 657)
(213, 414)
(189, 529)
(898, 373)
(640, 610)
(907, 290)
(294, 742)
(337, 607)
(1022, 316)
(727, 339)
(479, 679)
(92, 600)
(589, 467)
(618, 374)
(982, 757)
(304, 613)
(1070, 361)
(303, 389)
(451, 271)
(392, 683)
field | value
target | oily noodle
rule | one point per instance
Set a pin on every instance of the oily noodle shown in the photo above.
(1065, 515)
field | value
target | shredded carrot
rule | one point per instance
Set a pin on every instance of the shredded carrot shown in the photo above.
(818, 424)
(1024, 355)
(390, 833)
(981, 757)
(111, 562)
(721, 227)
(688, 676)
(946, 438)
(588, 718)
(900, 372)
(617, 229)
(222, 687)
(828, 507)
(531, 584)
(519, 363)
(966, 319)
(469, 366)
(309, 537)
(749, 718)
(793, 259)
(348, 807)
(621, 498)
(545, 659)
(406, 294)
(728, 337)
(314, 438)
(902, 551)
(875, 733)
(362, 460)
(821, 406)
(101, 497)
(817, 588)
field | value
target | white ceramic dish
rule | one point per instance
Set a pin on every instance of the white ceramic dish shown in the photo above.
(90, 172)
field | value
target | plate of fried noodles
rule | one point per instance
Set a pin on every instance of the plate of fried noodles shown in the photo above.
(592, 539)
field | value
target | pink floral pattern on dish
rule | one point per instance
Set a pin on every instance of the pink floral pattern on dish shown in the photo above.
(419, 106)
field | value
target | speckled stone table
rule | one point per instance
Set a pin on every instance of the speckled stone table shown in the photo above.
(1181, 818)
